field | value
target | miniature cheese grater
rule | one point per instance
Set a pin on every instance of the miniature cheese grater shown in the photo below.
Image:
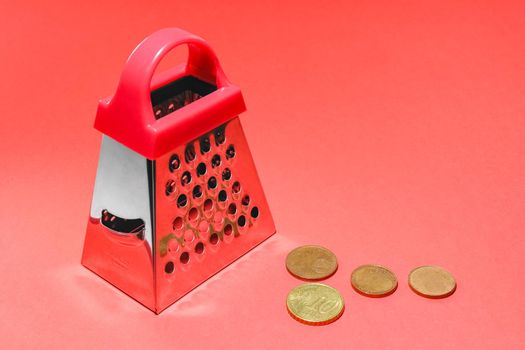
(177, 197)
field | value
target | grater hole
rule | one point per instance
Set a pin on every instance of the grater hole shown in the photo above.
(201, 169)
(158, 112)
(220, 135)
(197, 192)
(241, 221)
(212, 183)
(236, 188)
(199, 248)
(174, 163)
(230, 152)
(218, 217)
(228, 229)
(226, 174)
(173, 246)
(223, 196)
(185, 258)
(189, 153)
(182, 201)
(208, 205)
(178, 223)
(245, 200)
(188, 236)
(169, 267)
(232, 209)
(216, 161)
(214, 238)
(185, 178)
(170, 187)
(205, 144)
(170, 108)
(254, 213)
(193, 214)
(204, 226)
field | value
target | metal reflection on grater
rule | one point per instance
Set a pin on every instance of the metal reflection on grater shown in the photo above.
(226, 211)
(208, 207)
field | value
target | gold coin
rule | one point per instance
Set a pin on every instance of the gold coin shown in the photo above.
(374, 280)
(311, 262)
(432, 282)
(315, 303)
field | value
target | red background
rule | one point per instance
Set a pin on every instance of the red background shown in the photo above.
(390, 132)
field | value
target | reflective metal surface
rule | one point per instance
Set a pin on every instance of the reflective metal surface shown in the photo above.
(159, 228)
(122, 186)
(119, 235)
(210, 210)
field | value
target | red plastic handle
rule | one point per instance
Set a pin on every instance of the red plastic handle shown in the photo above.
(138, 71)
(128, 116)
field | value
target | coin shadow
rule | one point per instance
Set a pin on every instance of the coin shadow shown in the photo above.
(434, 296)
(310, 279)
(375, 296)
(316, 324)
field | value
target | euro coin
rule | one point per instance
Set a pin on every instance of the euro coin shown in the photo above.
(315, 304)
(374, 280)
(432, 282)
(311, 262)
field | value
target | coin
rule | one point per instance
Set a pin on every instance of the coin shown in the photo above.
(374, 280)
(315, 303)
(432, 282)
(311, 262)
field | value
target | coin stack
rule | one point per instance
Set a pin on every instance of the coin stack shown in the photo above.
(316, 303)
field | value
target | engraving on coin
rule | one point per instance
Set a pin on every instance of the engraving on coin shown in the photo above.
(311, 262)
(432, 282)
(315, 303)
(374, 280)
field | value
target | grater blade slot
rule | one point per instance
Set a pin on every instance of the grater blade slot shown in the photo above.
(177, 94)
(122, 226)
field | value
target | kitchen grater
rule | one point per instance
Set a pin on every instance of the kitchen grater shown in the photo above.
(177, 197)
